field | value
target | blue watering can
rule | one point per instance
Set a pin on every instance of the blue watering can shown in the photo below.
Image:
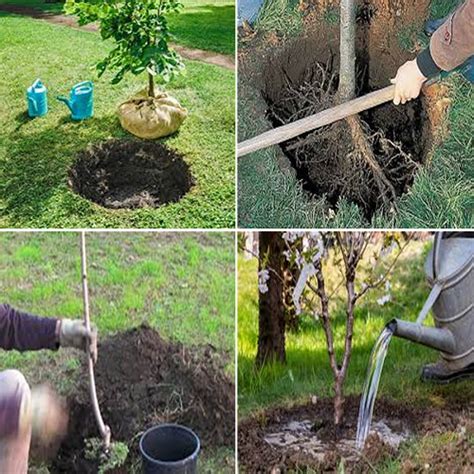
(81, 101)
(37, 96)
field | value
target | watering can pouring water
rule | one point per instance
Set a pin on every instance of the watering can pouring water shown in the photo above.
(81, 100)
(450, 271)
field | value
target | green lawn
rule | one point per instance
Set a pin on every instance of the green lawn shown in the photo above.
(181, 284)
(442, 195)
(35, 155)
(204, 24)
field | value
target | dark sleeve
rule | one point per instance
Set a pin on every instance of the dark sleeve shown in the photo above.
(25, 332)
(9, 414)
(451, 44)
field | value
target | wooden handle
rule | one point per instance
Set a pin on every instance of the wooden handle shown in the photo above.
(103, 428)
(326, 117)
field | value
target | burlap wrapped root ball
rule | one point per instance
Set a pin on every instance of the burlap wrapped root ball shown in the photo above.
(151, 117)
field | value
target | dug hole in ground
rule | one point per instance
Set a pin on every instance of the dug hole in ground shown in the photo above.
(298, 76)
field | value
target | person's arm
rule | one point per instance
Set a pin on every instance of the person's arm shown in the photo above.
(26, 332)
(451, 44)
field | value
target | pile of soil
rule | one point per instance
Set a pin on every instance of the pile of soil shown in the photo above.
(130, 174)
(143, 380)
(256, 455)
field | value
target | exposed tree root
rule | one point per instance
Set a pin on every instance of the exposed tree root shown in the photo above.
(345, 159)
(361, 144)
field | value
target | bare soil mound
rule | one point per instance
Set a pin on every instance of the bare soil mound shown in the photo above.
(143, 380)
(130, 174)
(257, 455)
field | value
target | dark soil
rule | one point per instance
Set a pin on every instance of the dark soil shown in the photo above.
(327, 161)
(130, 174)
(256, 455)
(142, 380)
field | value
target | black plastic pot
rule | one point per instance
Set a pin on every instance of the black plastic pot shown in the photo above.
(169, 449)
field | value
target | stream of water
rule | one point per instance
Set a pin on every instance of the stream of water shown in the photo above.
(371, 385)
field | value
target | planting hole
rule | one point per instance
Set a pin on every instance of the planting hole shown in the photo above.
(302, 80)
(130, 174)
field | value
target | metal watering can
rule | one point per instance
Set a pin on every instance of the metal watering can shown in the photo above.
(37, 97)
(450, 271)
(81, 100)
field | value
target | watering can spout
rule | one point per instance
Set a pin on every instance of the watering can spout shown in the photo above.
(440, 339)
(61, 98)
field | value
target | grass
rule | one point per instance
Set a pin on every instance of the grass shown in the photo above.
(203, 24)
(180, 284)
(307, 371)
(269, 194)
(206, 24)
(35, 155)
(442, 195)
(281, 16)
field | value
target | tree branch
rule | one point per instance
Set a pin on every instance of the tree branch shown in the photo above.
(384, 277)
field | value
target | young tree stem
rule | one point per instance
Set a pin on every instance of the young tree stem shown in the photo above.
(151, 85)
(346, 89)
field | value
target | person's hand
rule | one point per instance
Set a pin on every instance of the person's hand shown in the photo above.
(47, 415)
(408, 82)
(73, 333)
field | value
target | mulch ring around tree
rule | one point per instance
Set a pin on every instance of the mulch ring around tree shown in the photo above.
(143, 380)
(307, 439)
(130, 174)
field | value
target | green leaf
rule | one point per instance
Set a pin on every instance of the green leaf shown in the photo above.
(140, 32)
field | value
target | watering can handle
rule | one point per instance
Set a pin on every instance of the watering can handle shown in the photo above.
(33, 103)
(37, 83)
(438, 286)
(436, 247)
(82, 84)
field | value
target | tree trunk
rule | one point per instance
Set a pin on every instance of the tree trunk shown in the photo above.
(346, 91)
(271, 320)
(151, 85)
(347, 86)
(338, 401)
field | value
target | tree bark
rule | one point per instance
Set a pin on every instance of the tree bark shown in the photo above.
(271, 320)
(151, 85)
(291, 274)
(347, 86)
(338, 401)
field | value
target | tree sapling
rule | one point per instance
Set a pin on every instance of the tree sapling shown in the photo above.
(348, 249)
(141, 43)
